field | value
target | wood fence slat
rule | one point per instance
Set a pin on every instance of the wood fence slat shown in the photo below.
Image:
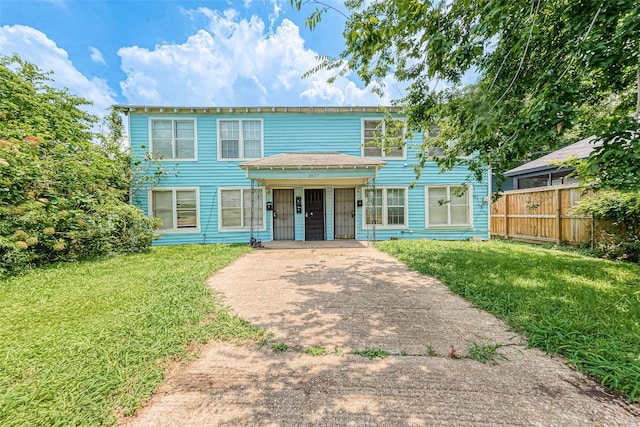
(542, 215)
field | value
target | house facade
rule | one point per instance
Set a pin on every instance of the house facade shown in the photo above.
(546, 171)
(303, 173)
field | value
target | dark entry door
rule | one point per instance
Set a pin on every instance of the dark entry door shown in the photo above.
(314, 214)
(283, 217)
(345, 213)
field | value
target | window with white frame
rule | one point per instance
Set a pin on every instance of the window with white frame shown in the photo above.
(434, 130)
(239, 139)
(239, 207)
(448, 206)
(385, 207)
(372, 132)
(176, 207)
(173, 139)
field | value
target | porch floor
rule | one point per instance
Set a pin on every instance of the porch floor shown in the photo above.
(316, 244)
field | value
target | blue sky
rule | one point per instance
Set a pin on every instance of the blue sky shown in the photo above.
(182, 52)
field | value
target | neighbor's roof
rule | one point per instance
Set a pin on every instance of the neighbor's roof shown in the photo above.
(578, 150)
(155, 109)
(311, 160)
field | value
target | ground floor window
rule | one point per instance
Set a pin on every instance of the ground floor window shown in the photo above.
(448, 206)
(240, 208)
(176, 207)
(385, 207)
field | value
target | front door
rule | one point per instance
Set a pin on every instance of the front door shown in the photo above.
(314, 214)
(283, 217)
(345, 213)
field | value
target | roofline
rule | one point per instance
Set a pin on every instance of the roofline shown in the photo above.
(312, 167)
(549, 168)
(166, 109)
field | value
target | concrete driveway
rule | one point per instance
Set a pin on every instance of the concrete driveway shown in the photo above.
(351, 299)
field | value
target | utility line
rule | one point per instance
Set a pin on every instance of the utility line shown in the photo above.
(524, 55)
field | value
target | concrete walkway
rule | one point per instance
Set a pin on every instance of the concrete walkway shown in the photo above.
(351, 299)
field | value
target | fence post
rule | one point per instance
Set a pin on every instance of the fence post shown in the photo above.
(558, 202)
(506, 216)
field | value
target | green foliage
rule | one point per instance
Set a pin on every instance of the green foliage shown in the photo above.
(584, 308)
(544, 69)
(62, 195)
(84, 341)
(372, 353)
(486, 352)
(431, 351)
(30, 107)
(279, 347)
(617, 231)
(65, 201)
(316, 350)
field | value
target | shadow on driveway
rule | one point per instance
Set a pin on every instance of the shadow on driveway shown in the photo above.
(352, 299)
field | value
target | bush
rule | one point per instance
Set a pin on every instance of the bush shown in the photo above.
(617, 224)
(61, 202)
(63, 190)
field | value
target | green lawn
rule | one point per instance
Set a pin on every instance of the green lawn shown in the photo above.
(584, 308)
(82, 341)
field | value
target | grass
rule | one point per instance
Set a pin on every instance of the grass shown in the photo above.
(279, 347)
(584, 308)
(81, 342)
(372, 353)
(485, 352)
(431, 351)
(316, 350)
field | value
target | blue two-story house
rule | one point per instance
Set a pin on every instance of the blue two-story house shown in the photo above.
(296, 173)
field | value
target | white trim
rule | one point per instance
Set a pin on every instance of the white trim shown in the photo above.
(384, 155)
(490, 199)
(174, 210)
(242, 228)
(384, 225)
(449, 187)
(241, 156)
(173, 120)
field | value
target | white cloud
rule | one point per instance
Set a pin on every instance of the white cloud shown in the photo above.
(235, 61)
(35, 47)
(96, 55)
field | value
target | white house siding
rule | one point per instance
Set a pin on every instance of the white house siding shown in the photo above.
(293, 132)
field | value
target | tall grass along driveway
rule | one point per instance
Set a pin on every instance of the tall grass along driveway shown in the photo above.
(583, 308)
(82, 342)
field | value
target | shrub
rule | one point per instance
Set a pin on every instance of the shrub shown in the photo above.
(57, 204)
(63, 190)
(617, 224)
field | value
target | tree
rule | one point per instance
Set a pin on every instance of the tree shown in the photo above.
(62, 195)
(541, 67)
(30, 107)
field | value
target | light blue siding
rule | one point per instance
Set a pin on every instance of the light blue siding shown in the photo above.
(293, 132)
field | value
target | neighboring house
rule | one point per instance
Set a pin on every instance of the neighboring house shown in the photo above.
(544, 171)
(308, 173)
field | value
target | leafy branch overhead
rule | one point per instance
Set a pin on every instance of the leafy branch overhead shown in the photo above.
(504, 79)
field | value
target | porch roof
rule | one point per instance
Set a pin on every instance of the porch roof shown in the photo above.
(317, 168)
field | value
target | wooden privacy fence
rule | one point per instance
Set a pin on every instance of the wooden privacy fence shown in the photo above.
(542, 215)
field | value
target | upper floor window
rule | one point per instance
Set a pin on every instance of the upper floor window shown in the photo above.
(448, 206)
(176, 207)
(173, 139)
(439, 151)
(240, 139)
(372, 132)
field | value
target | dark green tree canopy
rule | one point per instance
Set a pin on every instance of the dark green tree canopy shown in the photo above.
(548, 72)
(30, 107)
